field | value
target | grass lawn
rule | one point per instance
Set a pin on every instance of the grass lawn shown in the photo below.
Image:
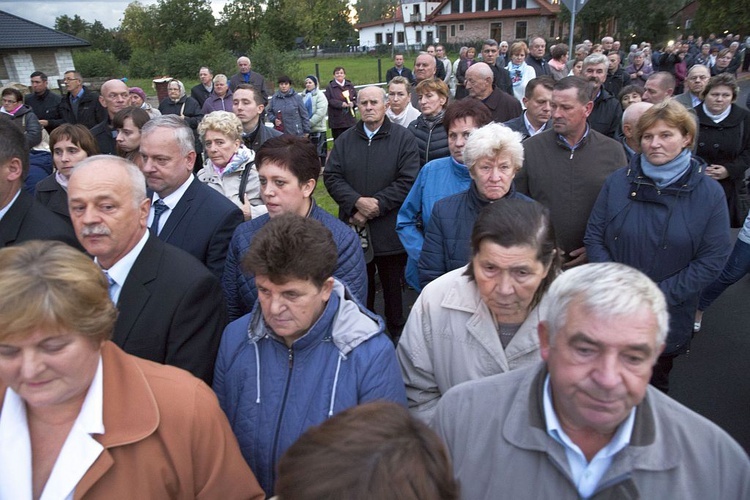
(324, 200)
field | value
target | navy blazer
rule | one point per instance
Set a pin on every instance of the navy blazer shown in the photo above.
(27, 219)
(51, 194)
(171, 310)
(202, 224)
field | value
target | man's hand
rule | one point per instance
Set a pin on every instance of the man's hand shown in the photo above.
(369, 207)
(43, 123)
(246, 210)
(579, 257)
(358, 219)
(717, 172)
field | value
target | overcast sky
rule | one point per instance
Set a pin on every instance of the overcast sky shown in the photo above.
(109, 12)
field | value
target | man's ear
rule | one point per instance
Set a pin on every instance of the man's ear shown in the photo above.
(14, 169)
(544, 340)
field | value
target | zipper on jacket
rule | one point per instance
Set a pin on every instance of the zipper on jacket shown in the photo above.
(572, 152)
(283, 406)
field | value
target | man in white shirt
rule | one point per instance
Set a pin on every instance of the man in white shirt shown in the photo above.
(171, 307)
(185, 212)
(586, 423)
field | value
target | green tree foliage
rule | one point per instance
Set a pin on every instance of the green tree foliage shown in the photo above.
(271, 62)
(97, 63)
(139, 26)
(719, 15)
(372, 10)
(239, 25)
(183, 21)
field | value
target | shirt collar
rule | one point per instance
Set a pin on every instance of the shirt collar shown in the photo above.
(119, 270)
(530, 127)
(574, 147)
(369, 133)
(619, 441)
(172, 200)
(5, 209)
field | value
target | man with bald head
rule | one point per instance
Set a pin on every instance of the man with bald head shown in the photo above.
(171, 309)
(478, 83)
(629, 120)
(246, 75)
(696, 81)
(659, 87)
(114, 96)
(424, 67)
(369, 174)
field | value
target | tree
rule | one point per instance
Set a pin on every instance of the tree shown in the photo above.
(373, 10)
(719, 15)
(239, 24)
(183, 21)
(321, 21)
(139, 26)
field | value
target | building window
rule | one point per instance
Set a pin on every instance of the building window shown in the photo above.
(520, 30)
(467, 5)
(496, 31)
(520, 4)
(455, 6)
(507, 4)
(443, 33)
(480, 6)
(460, 27)
(430, 38)
(378, 39)
(552, 28)
(400, 37)
(419, 37)
(453, 30)
(45, 62)
(493, 5)
(389, 38)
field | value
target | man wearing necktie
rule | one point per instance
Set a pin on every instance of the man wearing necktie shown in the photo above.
(185, 212)
(171, 307)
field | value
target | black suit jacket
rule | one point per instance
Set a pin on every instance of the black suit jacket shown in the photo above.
(502, 106)
(393, 73)
(519, 125)
(199, 93)
(202, 223)
(89, 114)
(171, 310)
(27, 219)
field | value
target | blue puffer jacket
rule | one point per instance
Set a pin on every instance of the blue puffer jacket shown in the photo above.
(437, 180)
(447, 238)
(272, 393)
(239, 288)
(678, 236)
(432, 142)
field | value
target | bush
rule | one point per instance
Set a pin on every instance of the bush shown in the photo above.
(146, 64)
(271, 62)
(97, 64)
(183, 59)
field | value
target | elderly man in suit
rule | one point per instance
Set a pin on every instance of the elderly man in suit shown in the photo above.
(184, 212)
(171, 307)
(21, 217)
(696, 80)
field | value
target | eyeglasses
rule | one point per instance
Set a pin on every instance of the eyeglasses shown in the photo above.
(697, 78)
(9, 101)
(70, 79)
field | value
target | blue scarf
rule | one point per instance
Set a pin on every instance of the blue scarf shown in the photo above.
(667, 174)
(308, 102)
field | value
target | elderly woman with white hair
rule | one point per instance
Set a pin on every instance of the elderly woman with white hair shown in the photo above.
(493, 155)
(230, 166)
(481, 319)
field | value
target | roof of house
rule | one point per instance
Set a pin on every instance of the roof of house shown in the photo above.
(546, 8)
(19, 33)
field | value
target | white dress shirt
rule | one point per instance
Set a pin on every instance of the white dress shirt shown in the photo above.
(120, 269)
(170, 201)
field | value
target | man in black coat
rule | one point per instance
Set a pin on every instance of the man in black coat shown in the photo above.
(185, 212)
(501, 77)
(170, 307)
(399, 70)
(113, 98)
(607, 113)
(21, 217)
(479, 85)
(42, 101)
(535, 59)
(201, 91)
(538, 101)
(79, 105)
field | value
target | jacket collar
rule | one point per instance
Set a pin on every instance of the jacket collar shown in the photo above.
(686, 183)
(384, 131)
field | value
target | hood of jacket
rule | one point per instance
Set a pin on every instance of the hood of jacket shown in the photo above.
(350, 323)
(288, 93)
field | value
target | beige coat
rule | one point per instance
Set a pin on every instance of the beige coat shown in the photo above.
(451, 337)
(165, 437)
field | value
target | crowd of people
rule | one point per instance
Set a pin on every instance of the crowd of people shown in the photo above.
(177, 308)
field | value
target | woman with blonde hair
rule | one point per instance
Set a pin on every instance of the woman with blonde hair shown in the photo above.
(428, 129)
(520, 72)
(230, 167)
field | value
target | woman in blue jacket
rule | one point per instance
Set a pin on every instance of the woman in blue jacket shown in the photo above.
(307, 351)
(665, 217)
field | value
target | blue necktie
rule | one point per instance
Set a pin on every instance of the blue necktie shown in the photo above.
(159, 208)
(112, 284)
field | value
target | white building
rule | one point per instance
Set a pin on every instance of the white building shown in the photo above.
(409, 27)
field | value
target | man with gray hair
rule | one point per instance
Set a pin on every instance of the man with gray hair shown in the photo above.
(184, 212)
(585, 423)
(425, 67)
(246, 75)
(478, 83)
(697, 78)
(607, 113)
(659, 87)
(201, 91)
(170, 307)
